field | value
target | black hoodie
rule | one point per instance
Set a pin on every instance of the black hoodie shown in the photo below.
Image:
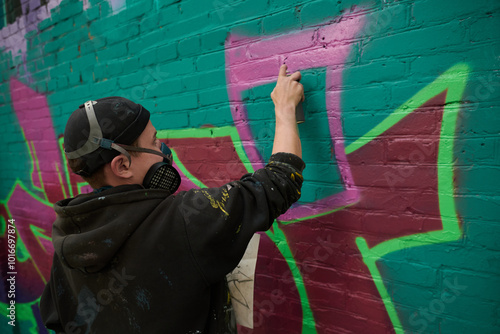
(135, 260)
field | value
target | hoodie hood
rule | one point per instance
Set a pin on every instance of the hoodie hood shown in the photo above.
(90, 229)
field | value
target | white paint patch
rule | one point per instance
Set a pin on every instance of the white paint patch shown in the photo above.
(241, 284)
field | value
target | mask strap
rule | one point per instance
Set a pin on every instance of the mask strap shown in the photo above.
(95, 134)
(95, 140)
(147, 150)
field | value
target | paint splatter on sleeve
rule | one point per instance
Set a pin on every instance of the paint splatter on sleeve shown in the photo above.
(221, 221)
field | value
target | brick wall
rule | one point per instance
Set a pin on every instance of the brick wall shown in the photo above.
(398, 226)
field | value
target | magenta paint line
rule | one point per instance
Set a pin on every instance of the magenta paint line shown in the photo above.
(333, 106)
(35, 213)
(35, 119)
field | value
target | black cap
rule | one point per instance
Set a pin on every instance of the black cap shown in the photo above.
(94, 128)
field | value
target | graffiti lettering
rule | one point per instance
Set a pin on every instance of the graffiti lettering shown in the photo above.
(395, 191)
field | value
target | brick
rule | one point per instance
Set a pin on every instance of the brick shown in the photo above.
(92, 13)
(187, 27)
(280, 44)
(255, 70)
(213, 96)
(134, 12)
(134, 79)
(52, 85)
(101, 27)
(146, 41)
(170, 119)
(421, 41)
(310, 12)
(122, 34)
(460, 326)
(52, 46)
(213, 40)
(60, 70)
(210, 61)
(167, 86)
(428, 12)
(178, 67)
(67, 9)
(245, 10)
(412, 273)
(92, 45)
(385, 22)
(149, 23)
(470, 309)
(484, 29)
(74, 78)
(61, 28)
(111, 53)
(178, 102)
(166, 3)
(166, 52)
(217, 116)
(103, 88)
(70, 52)
(285, 20)
(466, 257)
(471, 284)
(375, 73)
(84, 63)
(43, 25)
(205, 80)
(99, 71)
(168, 15)
(114, 68)
(189, 46)
(488, 204)
(245, 29)
(62, 82)
(147, 58)
(45, 36)
(375, 97)
(470, 178)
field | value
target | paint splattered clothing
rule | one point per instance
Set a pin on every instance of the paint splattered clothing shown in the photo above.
(135, 260)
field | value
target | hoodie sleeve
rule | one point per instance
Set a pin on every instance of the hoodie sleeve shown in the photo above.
(221, 221)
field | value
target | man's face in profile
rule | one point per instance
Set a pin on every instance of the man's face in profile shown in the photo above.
(142, 161)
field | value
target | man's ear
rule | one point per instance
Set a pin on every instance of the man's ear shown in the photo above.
(120, 166)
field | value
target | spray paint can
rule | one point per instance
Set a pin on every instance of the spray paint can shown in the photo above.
(299, 113)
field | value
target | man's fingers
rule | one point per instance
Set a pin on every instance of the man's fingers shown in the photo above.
(283, 70)
(296, 76)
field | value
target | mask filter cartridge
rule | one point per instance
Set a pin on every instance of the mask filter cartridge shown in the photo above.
(162, 176)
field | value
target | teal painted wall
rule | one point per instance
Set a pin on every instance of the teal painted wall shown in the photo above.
(398, 226)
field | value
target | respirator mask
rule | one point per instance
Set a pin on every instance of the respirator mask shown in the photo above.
(162, 175)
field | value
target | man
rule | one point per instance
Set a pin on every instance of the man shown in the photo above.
(133, 258)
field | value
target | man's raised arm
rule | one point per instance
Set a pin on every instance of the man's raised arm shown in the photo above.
(286, 95)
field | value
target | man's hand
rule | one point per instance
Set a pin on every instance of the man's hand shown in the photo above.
(286, 95)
